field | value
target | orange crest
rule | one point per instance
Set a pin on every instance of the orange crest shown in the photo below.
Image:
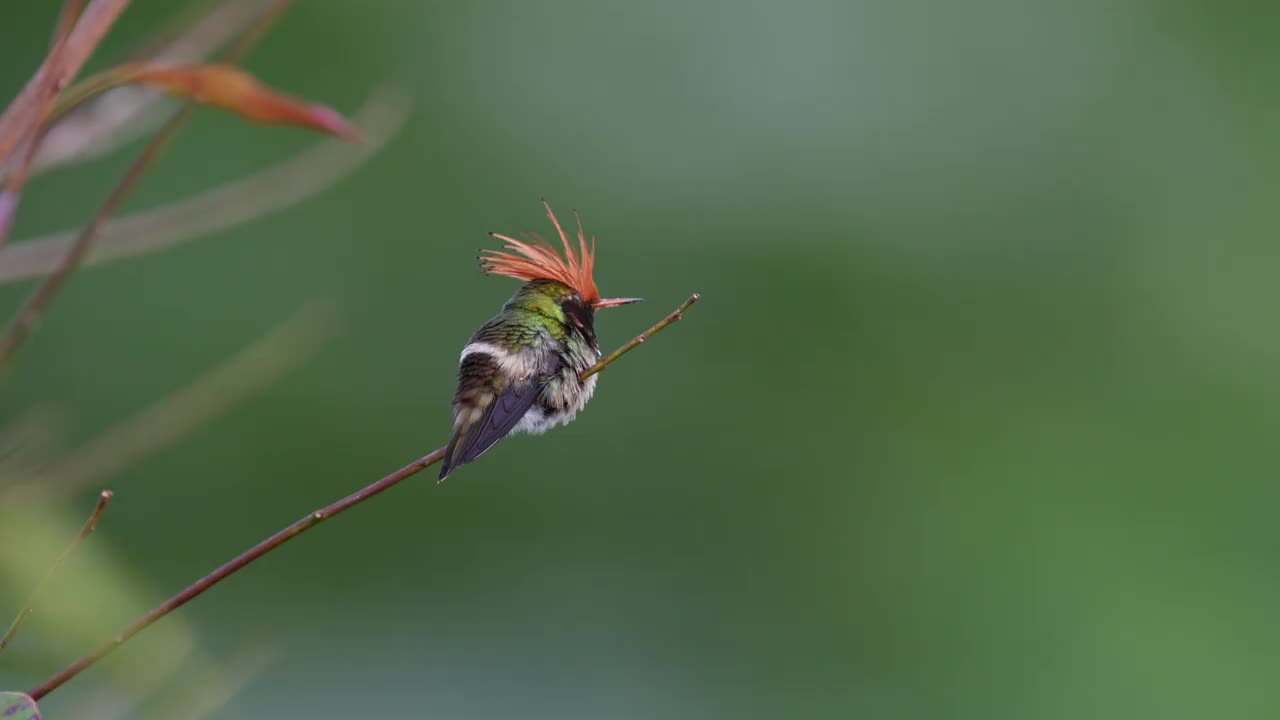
(536, 260)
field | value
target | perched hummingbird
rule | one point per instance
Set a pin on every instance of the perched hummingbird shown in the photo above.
(519, 372)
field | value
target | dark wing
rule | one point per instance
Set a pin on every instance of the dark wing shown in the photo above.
(472, 439)
(505, 408)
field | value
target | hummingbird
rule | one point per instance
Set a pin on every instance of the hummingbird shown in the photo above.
(519, 371)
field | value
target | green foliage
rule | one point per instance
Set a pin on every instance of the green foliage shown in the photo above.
(93, 591)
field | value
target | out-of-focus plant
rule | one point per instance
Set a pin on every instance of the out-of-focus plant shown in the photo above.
(18, 706)
(103, 498)
(56, 120)
(34, 472)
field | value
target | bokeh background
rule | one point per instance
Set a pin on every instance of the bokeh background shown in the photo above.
(977, 417)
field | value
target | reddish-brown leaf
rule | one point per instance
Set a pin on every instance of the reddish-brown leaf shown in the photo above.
(232, 89)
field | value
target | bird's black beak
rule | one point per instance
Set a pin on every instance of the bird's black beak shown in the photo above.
(615, 302)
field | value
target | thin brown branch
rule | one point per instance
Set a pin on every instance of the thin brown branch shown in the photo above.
(283, 536)
(271, 190)
(639, 339)
(103, 498)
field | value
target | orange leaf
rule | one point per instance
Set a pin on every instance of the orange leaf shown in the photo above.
(232, 89)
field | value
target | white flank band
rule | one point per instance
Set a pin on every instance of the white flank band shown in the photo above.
(484, 348)
(522, 364)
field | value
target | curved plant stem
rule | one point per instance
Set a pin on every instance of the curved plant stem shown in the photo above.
(267, 191)
(90, 88)
(297, 528)
(103, 498)
(61, 64)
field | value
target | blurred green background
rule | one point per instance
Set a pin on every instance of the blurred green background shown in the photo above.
(976, 419)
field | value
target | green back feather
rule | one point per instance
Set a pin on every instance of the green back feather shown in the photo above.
(531, 312)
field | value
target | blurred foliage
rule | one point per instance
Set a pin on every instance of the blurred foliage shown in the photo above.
(67, 619)
(975, 418)
(18, 707)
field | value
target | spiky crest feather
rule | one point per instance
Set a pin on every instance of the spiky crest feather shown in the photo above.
(536, 260)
